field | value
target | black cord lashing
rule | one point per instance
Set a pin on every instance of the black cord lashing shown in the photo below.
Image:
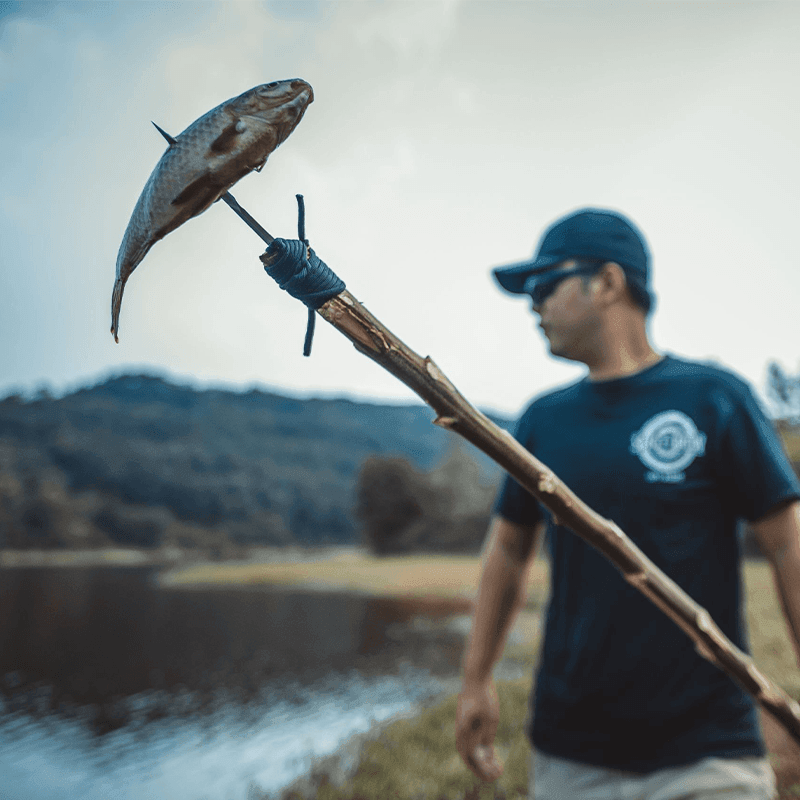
(301, 235)
(301, 218)
(298, 270)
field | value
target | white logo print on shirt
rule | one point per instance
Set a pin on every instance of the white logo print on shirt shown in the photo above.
(667, 444)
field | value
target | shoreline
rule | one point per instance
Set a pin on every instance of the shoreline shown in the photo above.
(339, 766)
(100, 557)
(343, 570)
(431, 576)
(438, 590)
(167, 557)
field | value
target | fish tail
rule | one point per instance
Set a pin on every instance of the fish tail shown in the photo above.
(116, 302)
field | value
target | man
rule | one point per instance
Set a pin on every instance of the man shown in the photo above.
(675, 453)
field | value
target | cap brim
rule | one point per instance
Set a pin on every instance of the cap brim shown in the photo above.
(512, 277)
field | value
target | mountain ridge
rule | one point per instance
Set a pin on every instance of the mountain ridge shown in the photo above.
(137, 459)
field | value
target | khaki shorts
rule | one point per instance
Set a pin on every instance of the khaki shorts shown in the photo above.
(554, 778)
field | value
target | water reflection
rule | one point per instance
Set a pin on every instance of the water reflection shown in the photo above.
(242, 683)
(92, 637)
(218, 756)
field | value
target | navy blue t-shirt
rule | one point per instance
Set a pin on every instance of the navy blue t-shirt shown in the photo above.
(675, 455)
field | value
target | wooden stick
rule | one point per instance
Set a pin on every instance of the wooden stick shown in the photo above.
(455, 413)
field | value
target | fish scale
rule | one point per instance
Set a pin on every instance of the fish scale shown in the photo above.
(203, 162)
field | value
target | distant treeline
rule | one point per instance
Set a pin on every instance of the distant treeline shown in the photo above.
(140, 461)
(137, 460)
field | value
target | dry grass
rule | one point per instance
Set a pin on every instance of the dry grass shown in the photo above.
(791, 441)
(769, 634)
(773, 652)
(355, 571)
(417, 758)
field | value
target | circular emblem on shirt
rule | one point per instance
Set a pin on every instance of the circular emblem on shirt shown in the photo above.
(667, 444)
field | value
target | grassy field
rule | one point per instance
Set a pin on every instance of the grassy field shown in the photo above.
(352, 570)
(791, 441)
(416, 757)
(772, 651)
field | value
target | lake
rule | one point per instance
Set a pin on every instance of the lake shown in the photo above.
(112, 685)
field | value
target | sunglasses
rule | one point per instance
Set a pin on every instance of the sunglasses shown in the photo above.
(540, 285)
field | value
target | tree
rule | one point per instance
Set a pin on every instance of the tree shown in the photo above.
(392, 496)
(404, 510)
(784, 392)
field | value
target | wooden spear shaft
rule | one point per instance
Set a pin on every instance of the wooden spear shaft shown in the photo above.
(455, 413)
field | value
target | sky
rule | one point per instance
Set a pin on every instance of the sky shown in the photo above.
(444, 137)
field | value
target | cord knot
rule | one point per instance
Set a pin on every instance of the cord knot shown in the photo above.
(298, 270)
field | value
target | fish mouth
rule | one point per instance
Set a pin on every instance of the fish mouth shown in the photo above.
(300, 86)
(291, 92)
(302, 95)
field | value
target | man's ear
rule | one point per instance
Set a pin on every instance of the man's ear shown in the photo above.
(609, 283)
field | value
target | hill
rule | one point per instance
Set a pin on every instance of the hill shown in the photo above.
(139, 460)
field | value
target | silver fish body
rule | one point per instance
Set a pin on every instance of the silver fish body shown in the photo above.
(203, 162)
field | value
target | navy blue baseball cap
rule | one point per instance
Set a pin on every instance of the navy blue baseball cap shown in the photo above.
(592, 233)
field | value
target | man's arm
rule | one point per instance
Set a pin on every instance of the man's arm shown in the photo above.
(510, 550)
(778, 535)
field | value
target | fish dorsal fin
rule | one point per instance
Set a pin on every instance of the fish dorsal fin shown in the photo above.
(226, 140)
(171, 139)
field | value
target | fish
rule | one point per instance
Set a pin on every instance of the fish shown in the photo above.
(203, 162)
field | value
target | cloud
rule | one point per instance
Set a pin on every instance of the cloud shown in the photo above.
(411, 30)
